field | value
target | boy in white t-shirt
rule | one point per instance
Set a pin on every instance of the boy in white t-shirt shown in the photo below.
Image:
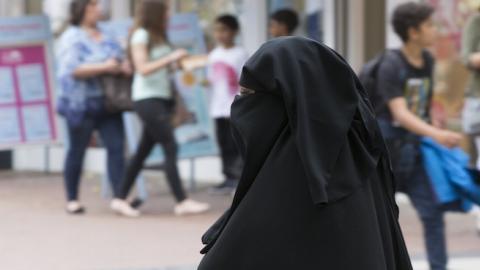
(224, 66)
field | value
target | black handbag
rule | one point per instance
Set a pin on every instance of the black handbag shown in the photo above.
(181, 114)
(117, 90)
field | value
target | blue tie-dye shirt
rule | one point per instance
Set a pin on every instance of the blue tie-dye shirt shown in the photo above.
(75, 48)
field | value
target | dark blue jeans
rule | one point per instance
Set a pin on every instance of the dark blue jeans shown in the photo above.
(110, 127)
(412, 180)
(418, 188)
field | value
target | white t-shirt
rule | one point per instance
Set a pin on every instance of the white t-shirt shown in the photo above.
(224, 69)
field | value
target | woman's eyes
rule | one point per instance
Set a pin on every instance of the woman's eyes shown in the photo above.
(245, 91)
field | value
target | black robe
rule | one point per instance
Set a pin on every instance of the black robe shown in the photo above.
(316, 191)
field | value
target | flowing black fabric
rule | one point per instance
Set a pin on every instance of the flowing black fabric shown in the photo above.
(316, 191)
(294, 72)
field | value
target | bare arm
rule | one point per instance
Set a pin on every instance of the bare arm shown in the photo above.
(86, 71)
(411, 122)
(146, 67)
(408, 120)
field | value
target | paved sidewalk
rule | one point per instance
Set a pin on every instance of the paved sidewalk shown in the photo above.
(455, 264)
(36, 234)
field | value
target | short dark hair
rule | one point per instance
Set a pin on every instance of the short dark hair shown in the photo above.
(408, 15)
(77, 11)
(287, 17)
(229, 21)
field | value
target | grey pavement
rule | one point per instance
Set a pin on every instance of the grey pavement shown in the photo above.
(36, 233)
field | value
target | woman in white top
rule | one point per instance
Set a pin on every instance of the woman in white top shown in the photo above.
(154, 103)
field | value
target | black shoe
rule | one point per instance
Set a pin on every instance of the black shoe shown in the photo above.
(136, 203)
(225, 188)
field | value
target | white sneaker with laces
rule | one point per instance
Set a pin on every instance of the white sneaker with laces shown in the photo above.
(190, 207)
(123, 208)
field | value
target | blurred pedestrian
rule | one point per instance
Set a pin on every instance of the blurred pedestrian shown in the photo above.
(316, 190)
(225, 64)
(402, 101)
(154, 103)
(85, 53)
(283, 22)
(471, 111)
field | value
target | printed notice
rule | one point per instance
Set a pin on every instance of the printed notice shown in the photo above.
(7, 89)
(32, 82)
(35, 120)
(9, 126)
(26, 82)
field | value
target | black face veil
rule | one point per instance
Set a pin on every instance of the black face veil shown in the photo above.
(320, 96)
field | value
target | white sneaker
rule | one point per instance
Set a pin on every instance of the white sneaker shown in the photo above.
(476, 213)
(74, 208)
(123, 208)
(477, 221)
(190, 207)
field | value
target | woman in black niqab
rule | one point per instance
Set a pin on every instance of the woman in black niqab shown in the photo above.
(316, 191)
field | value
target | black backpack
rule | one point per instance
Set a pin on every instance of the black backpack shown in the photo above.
(368, 73)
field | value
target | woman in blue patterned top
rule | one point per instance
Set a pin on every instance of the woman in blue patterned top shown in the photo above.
(86, 52)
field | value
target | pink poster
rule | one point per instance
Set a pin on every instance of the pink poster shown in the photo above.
(26, 107)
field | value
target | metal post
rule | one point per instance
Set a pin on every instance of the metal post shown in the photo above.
(46, 164)
(193, 184)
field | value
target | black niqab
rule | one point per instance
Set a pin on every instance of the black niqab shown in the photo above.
(316, 191)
